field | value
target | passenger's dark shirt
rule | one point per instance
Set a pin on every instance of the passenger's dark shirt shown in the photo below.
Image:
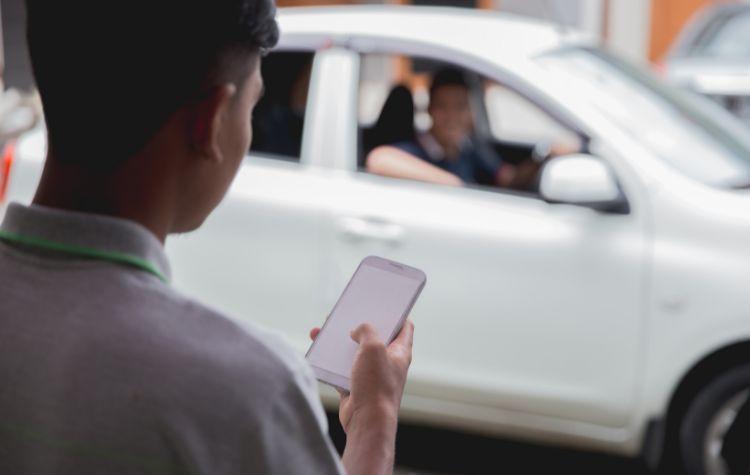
(474, 164)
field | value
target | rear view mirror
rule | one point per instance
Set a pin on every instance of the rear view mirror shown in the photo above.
(582, 180)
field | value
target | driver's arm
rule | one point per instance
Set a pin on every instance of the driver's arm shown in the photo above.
(521, 176)
(394, 162)
(517, 177)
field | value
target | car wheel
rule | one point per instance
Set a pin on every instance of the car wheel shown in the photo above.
(707, 420)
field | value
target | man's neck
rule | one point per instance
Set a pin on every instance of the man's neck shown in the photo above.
(448, 149)
(122, 194)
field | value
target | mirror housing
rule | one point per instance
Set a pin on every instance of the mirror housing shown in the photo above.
(582, 180)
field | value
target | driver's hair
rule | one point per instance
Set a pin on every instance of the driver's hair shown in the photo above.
(448, 76)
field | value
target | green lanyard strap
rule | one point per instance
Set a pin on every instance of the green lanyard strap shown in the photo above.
(109, 256)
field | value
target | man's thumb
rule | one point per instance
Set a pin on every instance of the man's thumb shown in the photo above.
(363, 333)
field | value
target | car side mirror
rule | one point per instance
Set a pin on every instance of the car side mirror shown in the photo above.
(582, 180)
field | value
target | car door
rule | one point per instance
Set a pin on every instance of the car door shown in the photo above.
(531, 309)
(259, 256)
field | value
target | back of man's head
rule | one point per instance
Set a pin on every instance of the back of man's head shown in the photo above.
(110, 74)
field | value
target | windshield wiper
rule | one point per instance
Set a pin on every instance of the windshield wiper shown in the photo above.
(739, 185)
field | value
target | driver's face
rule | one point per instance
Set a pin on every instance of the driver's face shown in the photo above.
(451, 114)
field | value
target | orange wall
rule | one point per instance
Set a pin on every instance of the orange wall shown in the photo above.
(667, 20)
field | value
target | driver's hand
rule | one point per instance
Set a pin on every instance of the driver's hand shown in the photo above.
(378, 376)
(564, 148)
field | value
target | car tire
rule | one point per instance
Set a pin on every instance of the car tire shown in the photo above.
(707, 419)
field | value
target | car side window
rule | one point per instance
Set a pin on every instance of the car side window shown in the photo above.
(279, 116)
(514, 118)
(432, 121)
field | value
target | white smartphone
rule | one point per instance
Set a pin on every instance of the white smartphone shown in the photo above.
(381, 292)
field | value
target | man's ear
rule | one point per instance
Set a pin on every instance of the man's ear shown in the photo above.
(208, 116)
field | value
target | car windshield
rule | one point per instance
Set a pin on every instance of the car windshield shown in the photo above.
(727, 38)
(690, 133)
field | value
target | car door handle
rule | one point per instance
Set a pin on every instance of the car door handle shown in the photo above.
(374, 229)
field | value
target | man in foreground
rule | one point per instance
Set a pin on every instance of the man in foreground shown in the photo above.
(104, 367)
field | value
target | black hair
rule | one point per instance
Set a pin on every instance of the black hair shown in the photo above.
(448, 76)
(111, 73)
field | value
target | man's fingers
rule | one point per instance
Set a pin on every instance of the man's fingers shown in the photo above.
(363, 333)
(366, 332)
(406, 336)
(314, 333)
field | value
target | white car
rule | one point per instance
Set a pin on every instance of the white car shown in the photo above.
(712, 56)
(609, 311)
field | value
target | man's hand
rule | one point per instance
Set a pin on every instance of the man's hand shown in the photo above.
(369, 413)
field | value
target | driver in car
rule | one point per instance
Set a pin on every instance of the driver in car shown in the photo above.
(450, 153)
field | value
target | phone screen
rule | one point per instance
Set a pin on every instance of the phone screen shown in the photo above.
(375, 296)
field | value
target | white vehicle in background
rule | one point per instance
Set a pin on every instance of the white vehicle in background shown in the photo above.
(712, 56)
(610, 311)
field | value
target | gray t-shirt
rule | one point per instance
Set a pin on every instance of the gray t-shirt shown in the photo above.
(105, 369)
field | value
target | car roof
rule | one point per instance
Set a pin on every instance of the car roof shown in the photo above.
(480, 32)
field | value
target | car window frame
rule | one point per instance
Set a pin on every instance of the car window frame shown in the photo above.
(272, 158)
(364, 45)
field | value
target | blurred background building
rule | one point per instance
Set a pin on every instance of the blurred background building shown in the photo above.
(640, 29)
